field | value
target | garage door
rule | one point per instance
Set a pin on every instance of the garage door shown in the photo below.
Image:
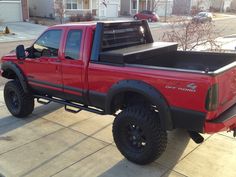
(112, 10)
(10, 11)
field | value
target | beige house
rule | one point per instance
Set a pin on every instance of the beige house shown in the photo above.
(161, 7)
(99, 8)
(184, 6)
(221, 5)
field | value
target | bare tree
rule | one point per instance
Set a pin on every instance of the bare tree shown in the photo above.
(60, 10)
(190, 35)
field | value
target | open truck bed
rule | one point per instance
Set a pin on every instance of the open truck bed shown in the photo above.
(161, 55)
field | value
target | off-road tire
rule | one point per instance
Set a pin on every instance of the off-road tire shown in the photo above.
(19, 103)
(148, 122)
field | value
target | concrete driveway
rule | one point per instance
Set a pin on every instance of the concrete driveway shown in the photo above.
(22, 30)
(52, 142)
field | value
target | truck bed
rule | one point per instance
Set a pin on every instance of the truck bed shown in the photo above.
(165, 55)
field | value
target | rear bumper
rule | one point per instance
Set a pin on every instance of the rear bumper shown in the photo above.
(226, 121)
(188, 119)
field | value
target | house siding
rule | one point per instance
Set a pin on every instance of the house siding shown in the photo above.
(181, 7)
(164, 8)
(41, 8)
(125, 7)
(221, 5)
(205, 5)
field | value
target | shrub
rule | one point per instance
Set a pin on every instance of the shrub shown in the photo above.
(7, 30)
(80, 17)
(76, 18)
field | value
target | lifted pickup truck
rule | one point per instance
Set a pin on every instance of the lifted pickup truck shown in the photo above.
(116, 68)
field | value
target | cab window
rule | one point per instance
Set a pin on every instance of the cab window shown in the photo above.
(73, 45)
(48, 44)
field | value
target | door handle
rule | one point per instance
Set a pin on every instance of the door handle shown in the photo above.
(58, 61)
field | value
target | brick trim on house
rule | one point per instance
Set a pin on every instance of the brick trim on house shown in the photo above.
(25, 10)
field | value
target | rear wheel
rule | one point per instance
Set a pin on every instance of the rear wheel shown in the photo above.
(19, 103)
(138, 135)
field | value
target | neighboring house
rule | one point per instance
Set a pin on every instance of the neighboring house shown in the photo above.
(161, 7)
(184, 6)
(221, 5)
(14, 10)
(99, 8)
(233, 6)
(164, 7)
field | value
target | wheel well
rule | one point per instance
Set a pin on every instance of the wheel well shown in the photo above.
(133, 92)
(128, 98)
(12, 71)
(9, 74)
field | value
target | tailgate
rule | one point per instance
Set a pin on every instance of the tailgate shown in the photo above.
(227, 89)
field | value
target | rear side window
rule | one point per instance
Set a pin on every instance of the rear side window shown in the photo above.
(73, 45)
(50, 40)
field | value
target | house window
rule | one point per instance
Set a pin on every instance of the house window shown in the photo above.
(134, 5)
(71, 4)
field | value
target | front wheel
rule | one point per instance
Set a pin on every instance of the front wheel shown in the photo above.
(149, 20)
(135, 17)
(138, 135)
(19, 103)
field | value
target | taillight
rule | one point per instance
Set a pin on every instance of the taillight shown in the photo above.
(212, 98)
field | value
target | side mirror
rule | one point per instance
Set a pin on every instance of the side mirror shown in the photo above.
(20, 52)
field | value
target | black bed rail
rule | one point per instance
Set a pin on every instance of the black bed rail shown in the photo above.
(118, 35)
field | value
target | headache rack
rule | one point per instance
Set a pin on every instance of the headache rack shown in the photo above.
(117, 35)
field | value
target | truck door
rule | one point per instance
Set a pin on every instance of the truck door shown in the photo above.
(72, 64)
(43, 65)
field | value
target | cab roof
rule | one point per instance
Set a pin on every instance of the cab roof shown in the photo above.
(91, 23)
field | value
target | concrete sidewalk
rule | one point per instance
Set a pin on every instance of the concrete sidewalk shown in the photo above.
(52, 142)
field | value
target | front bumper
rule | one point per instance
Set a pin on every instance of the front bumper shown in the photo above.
(226, 121)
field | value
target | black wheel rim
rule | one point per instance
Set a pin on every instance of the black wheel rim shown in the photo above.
(13, 100)
(135, 137)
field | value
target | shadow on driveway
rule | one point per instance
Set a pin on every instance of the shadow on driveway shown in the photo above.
(178, 141)
(10, 123)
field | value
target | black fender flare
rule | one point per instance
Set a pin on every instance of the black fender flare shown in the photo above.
(146, 90)
(20, 75)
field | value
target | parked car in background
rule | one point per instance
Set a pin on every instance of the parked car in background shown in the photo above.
(202, 17)
(147, 15)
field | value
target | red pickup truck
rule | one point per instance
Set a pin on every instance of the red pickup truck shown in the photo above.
(116, 68)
